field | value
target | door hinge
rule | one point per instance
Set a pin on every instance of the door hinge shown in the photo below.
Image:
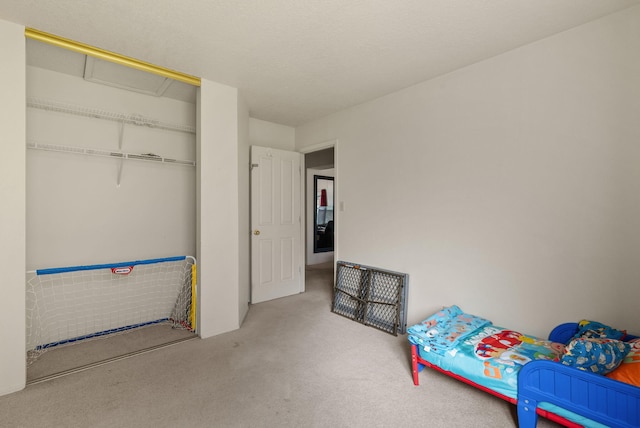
(253, 165)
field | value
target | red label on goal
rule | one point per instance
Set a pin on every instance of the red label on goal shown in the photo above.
(123, 270)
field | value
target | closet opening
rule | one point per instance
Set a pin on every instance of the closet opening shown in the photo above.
(111, 207)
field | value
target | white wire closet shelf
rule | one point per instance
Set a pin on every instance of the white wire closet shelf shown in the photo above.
(130, 119)
(107, 153)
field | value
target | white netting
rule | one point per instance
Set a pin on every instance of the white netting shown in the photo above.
(70, 306)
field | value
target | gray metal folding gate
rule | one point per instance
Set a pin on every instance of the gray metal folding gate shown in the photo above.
(371, 296)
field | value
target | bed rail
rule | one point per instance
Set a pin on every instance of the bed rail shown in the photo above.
(598, 398)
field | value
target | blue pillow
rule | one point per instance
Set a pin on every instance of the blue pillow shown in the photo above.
(594, 329)
(595, 355)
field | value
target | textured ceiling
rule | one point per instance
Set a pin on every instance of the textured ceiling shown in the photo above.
(297, 60)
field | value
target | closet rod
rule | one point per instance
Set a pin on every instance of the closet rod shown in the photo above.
(109, 56)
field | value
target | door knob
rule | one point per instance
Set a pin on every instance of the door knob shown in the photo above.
(256, 232)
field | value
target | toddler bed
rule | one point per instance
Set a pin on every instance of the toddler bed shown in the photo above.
(553, 378)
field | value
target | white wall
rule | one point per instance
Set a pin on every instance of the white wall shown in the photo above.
(218, 217)
(508, 187)
(269, 134)
(12, 214)
(78, 212)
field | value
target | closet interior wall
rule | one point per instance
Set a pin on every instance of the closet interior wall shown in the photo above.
(84, 209)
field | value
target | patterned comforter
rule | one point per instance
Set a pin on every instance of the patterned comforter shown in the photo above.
(474, 348)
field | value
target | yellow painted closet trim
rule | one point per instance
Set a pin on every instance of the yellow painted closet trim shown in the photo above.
(109, 56)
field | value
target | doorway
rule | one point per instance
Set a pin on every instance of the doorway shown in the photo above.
(320, 168)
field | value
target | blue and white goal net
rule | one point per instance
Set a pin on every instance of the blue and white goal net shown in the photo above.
(70, 304)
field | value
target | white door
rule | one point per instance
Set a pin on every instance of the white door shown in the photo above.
(276, 228)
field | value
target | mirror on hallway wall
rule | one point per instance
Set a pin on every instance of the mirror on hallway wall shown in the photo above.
(323, 214)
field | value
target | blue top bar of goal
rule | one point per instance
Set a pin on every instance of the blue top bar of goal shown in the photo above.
(108, 266)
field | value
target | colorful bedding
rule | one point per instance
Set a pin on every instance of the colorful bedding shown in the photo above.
(476, 349)
(528, 371)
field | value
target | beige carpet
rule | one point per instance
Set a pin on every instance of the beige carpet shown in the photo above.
(292, 364)
(82, 355)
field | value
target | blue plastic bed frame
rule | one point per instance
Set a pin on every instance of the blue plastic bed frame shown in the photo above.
(596, 397)
(592, 396)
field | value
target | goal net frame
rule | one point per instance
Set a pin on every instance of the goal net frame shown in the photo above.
(71, 304)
